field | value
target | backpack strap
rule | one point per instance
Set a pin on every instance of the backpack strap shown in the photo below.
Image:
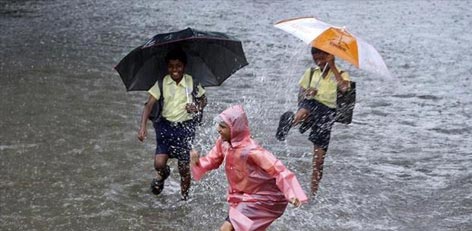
(161, 89)
(301, 92)
(312, 71)
(155, 114)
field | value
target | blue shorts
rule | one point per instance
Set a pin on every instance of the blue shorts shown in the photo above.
(174, 138)
(323, 120)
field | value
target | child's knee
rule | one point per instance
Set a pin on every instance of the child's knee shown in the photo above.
(159, 165)
(160, 161)
(300, 115)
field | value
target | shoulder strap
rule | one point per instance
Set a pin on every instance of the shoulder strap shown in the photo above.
(161, 88)
(301, 92)
(312, 71)
(155, 113)
(160, 83)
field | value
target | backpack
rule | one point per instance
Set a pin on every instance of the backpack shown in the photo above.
(155, 114)
(345, 105)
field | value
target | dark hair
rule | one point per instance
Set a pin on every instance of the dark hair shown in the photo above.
(176, 54)
(315, 50)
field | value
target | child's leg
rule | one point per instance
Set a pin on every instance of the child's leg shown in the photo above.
(320, 136)
(185, 179)
(301, 115)
(162, 151)
(318, 160)
(227, 226)
(160, 164)
(162, 172)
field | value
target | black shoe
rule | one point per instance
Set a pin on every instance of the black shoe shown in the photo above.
(157, 186)
(285, 124)
(184, 196)
(306, 124)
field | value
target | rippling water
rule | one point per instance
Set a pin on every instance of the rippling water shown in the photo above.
(70, 160)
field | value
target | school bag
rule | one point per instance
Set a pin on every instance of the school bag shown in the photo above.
(345, 105)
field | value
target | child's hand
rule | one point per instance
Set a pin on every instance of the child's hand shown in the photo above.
(142, 134)
(191, 108)
(344, 86)
(194, 157)
(310, 92)
(330, 60)
(296, 202)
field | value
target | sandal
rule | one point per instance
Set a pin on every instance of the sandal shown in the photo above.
(285, 124)
(184, 196)
(158, 185)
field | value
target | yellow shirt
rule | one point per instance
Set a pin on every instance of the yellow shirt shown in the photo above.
(176, 97)
(327, 87)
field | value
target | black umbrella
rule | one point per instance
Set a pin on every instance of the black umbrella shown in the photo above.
(211, 58)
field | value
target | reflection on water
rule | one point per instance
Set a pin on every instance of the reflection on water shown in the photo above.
(70, 160)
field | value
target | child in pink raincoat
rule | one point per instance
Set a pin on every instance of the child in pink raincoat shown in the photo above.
(260, 186)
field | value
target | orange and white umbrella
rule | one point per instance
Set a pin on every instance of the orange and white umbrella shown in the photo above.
(337, 41)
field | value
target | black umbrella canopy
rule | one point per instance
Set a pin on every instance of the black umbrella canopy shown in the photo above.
(211, 58)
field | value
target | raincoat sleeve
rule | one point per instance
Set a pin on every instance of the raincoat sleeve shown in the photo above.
(285, 179)
(209, 162)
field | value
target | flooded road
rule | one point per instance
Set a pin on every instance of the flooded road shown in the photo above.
(70, 159)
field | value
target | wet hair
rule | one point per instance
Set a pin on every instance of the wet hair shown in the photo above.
(176, 54)
(315, 50)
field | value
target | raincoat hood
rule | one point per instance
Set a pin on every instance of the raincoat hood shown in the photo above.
(235, 117)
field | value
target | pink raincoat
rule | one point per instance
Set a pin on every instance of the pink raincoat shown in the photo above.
(260, 186)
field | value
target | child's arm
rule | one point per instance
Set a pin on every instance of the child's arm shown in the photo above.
(343, 85)
(142, 133)
(201, 165)
(285, 180)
